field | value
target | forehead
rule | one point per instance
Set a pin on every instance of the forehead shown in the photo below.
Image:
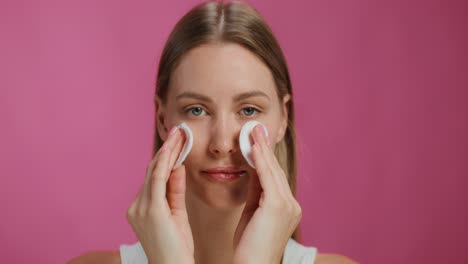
(221, 70)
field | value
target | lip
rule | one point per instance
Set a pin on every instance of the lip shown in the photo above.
(225, 169)
(224, 174)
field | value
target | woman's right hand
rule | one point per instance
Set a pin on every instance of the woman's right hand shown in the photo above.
(159, 216)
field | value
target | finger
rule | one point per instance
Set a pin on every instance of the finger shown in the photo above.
(175, 144)
(145, 193)
(136, 202)
(277, 172)
(175, 148)
(260, 137)
(176, 191)
(180, 139)
(140, 204)
(260, 140)
(151, 167)
(263, 171)
(160, 175)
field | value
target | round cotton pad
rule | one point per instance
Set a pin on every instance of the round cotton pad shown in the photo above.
(244, 140)
(187, 145)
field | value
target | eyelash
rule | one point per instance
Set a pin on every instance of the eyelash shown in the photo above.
(257, 111)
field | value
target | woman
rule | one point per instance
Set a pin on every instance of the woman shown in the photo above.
(220, 68)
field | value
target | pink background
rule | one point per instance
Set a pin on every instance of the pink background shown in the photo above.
(380, 89)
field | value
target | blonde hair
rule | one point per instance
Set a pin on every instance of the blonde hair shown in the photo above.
(233, 22)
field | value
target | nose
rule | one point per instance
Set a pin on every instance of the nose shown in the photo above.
(224, 135)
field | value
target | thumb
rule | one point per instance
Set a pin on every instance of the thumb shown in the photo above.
(176, 190)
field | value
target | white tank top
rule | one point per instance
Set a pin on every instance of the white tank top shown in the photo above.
(294, 253)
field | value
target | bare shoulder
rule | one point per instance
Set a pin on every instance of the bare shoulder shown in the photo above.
(95, 257)
(333, 259)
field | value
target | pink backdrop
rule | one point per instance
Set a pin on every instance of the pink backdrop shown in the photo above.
(380, 89)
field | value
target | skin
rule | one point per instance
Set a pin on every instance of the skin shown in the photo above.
(246, 221)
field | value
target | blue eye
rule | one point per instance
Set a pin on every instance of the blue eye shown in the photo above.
(199, 111)
(196, 111)
(250, 111)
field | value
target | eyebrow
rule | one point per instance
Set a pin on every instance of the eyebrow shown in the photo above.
(238, 97)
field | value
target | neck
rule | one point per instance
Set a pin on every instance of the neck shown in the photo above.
(213, 231)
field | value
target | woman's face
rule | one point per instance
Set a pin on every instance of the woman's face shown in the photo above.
(215, 90)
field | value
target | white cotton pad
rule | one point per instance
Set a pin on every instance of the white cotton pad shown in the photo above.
(187, 145)
(244, 140)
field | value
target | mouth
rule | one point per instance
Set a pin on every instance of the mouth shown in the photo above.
(224, 174)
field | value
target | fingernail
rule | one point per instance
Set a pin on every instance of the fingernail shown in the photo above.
(256, 146)
(265, 134)
(173, 130)
(259, 132)
(163, 148)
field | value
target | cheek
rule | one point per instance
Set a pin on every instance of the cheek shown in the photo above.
(273, 130)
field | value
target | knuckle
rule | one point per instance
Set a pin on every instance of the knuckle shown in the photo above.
(156, 177)
(130, 214)
(296, 209)
(141, 212)
(290, 210)
(277, 205)
(136, 211)
(131, 209)
(299, 212)
(153, 212)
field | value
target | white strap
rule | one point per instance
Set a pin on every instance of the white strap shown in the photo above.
(133, 254)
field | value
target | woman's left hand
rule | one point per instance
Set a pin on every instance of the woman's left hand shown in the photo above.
(271, 213)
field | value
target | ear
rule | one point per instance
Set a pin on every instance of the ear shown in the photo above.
(284, 117)
(160, 118)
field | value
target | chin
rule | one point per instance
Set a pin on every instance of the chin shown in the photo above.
(220, 196)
